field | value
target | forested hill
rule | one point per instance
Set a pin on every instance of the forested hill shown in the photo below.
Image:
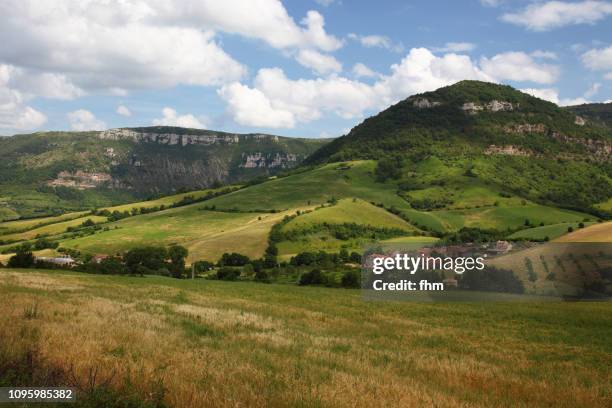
(490, 133)
(599, 113)
(469, 117)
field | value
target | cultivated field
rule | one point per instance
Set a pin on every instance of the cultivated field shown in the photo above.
(208, 343)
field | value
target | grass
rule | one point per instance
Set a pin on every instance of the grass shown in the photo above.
(247, 344)
(10, 227)
(206, 234)
(52, 229)
(551, 231)
(350, 211)
(595, 233)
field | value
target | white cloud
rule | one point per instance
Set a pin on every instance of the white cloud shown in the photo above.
(491, 3)
(15, 114)
(83, 120)
(277, 101)
(608, 76)
(554, 14)
(320, 63)
(593, 90)
(552, 95)
(251, 107)
(456, 47)
(518, 66)
(123, 111)
(172, 118)
(266, 20)
(598, 59)
(380, 41)
(361, 70)
(544, 54)
(326, 3)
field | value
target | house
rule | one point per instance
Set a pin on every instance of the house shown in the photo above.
(62, 260)
(99, 258)
(450, 282)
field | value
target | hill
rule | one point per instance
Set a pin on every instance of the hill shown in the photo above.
(600, 113)
(51, 172)
(502, 138)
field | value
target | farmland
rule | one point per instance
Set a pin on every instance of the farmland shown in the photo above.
(204, 343)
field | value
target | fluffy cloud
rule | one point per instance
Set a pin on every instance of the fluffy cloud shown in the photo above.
(83, 120)
(251, 107)
(518, 66)
(363, 71)
(277, 101)
(320, 63)
(379, 41)
(555, 14)
(124, 45)
(123, 111)
(266, 20)
(552, 95)
(456, 47)
(598, 59)
(172, 118)
(15, 114)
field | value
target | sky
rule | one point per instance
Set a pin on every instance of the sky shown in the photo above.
(307, 68)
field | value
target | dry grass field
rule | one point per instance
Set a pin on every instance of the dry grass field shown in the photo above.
(156, 341)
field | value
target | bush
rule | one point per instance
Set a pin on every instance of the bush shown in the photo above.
(262, 276)
(228, 274)
(351, 279)
(22, 259)
(314, 277)
(233, 259)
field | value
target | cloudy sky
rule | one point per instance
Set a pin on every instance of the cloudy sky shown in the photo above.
(310, 68)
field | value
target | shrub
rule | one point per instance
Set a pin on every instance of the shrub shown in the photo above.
(314, 277)
(351, 279)
(228, 274)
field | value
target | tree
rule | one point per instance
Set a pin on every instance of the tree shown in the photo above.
(146, 260)
(229, 274)
(177, 255)
(314, 277)
(22, 259)
(233, 259)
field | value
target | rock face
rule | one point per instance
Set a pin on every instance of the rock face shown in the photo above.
(601, 149)
(526, 128)
(509, 150)
(172, 139)
(269, 161)
(424, 103)
(580, 121)
(473, 108)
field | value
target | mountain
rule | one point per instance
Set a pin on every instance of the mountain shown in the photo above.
(43, 173)
(600, 113)
(493, 133)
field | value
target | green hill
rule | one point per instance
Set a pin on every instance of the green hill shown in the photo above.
(506, 140)
(600, 113)
(51, 172)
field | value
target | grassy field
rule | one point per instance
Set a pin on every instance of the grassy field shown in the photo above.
(551, 231)
(350, 211)
(208, 343)
(10, 227)
(595, 233)
(206, 234)
(52, 229)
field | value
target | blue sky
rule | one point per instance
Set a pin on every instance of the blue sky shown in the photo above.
(309, 68)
